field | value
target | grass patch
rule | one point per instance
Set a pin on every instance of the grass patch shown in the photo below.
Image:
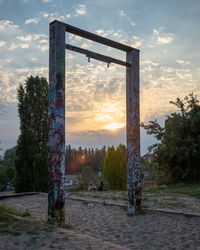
(9, 218)
(192, 190)
(7, 213)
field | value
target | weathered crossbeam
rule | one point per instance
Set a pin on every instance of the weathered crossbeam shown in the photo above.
(97, 56)
(94, 37)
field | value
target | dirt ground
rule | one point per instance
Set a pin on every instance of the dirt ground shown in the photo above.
(93, 224)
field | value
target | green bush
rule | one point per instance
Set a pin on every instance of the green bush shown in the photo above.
(115, 168)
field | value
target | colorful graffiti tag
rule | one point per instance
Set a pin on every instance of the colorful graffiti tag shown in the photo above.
(133, 135)
(56, 146)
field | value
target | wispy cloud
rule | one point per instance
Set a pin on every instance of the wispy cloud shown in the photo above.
(43, 47)
(101, 32)
(163, 83)
(7, 24)
(80, 10)
(2, 43)
(51, 16)
(133, 41)
(122, 37)
(33, 37)
(47, 1)
(122, 14)
(161, 37)
(14, 46)
(183, 62)
(33, 20)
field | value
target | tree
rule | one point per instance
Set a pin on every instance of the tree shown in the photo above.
(177, 151)
(85, 177)
(9, 163)
(109, 167)
(122, 167)
(3, 177)
(7, 169)
(76, 160)
(31, 151)
(114, 169)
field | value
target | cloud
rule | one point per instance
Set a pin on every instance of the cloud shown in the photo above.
(7, 89)
(43, 47)
(47, 1)
(24, 45)
(27, 38)
(33, 20)
(8, 60)
(75, 37)
(7, 24)
(162, 83)
(101, 32)
(34, 59)
(2, 43)
(92, 133)
(14, 46)
(120, 36)
(80, 10)
(11, 77)
(51, 16)
(69, 56)
(33, 71)
(182, 62)
(122, 14)
(86, 45)
(33, 37)
(160, 37)
(39, 41)
(148, 61)
(133, 41)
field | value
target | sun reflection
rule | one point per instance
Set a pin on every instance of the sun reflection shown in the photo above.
(114, 126)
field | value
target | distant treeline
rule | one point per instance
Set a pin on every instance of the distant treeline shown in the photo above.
(76, 159)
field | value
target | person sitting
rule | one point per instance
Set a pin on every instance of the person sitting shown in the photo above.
(102, 186)
(91, 187)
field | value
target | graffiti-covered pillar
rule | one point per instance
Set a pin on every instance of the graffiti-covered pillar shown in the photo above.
(56, 143)
(133, 132)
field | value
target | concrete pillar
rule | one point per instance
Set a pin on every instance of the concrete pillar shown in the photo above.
(56, 143)
(133, 132)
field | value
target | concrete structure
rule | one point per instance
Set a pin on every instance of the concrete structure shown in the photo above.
(133, 132)
(56, 146)
(57, 115)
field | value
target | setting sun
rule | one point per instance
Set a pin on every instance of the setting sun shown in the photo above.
(114, 126)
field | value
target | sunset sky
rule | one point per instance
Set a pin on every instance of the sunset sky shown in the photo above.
(166, 32)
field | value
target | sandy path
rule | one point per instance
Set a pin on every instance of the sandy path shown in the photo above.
(95, 226)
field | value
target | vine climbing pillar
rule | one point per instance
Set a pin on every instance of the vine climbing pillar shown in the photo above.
(133, 132)
(56, 144)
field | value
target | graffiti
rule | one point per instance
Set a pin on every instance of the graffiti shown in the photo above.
(56, 145)
(134, 184)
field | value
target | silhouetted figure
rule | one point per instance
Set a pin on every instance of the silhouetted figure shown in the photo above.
(101, 187)
(91, 187)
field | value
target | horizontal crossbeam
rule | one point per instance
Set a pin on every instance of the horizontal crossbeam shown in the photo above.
(96, 38)
(97, 56)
